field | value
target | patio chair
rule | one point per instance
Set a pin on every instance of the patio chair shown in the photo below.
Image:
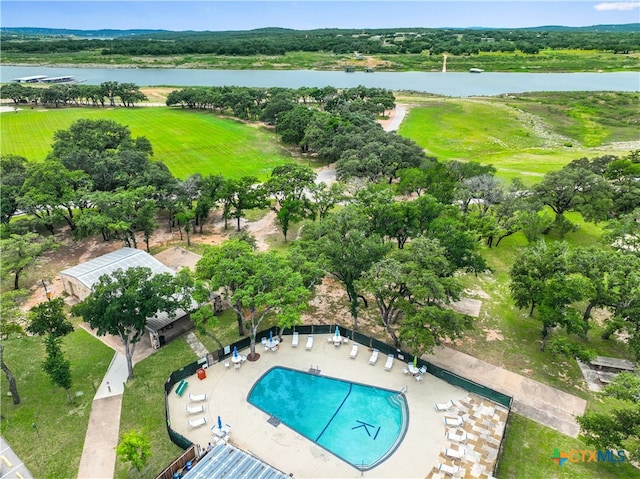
(264, 343)
(419, 378)
(405, 371)
(456, 454)
(227, 364)
(451, 470)
(197, 397)
(453, 421)
(195, 409)
(389, 364)
(374, 357)
(444, 406)
(309, 342)
(236, 366)
(354, 351)
(457, 437)
(423, 370)
(294, 340)
(193, 423)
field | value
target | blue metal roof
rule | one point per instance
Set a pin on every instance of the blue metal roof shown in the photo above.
(225, 461)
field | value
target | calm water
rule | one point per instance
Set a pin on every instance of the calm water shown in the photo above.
(450, 84)
(357, 423)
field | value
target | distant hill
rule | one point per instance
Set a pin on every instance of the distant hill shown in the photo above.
(628, 27)
(109, 33)
(63, 32)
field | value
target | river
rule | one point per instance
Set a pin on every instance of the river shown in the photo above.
(448, 84)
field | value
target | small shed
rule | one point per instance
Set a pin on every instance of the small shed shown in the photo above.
(79, 280)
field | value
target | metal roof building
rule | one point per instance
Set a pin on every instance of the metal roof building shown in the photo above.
(225, 461)
(79, 280)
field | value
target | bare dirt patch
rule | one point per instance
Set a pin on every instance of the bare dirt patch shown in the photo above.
(493, 334)
(467, 306)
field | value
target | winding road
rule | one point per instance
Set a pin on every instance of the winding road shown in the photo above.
(328, 175)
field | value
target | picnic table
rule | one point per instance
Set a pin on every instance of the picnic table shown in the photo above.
(613, 363)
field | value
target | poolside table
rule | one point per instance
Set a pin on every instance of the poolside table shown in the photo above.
(413, 369)
(272, 344)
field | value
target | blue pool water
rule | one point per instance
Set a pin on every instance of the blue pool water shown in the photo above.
(362, 425)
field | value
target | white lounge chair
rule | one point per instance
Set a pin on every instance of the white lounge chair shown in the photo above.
(354, 351)
(443, 406)
(374, 357)
(309, 342)
(197, 397)
(195, 409)
(451, 470)
(193, 423)
(453, 421)
(456, 454)
(294, 340)
(457, 437)
(389, 364)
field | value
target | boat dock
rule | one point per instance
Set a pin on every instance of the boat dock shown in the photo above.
(45, 79)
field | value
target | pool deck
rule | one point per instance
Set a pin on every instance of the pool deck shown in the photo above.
(283, 448)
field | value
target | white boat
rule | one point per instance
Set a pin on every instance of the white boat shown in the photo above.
(476, 70)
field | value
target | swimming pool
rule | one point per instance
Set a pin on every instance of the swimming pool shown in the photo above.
(362, 425)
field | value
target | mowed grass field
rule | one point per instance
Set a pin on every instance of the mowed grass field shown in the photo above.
(186, 141)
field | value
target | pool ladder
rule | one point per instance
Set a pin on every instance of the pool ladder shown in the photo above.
(395, 399)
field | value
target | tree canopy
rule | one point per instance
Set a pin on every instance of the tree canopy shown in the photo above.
(256, 284)
(120, 303)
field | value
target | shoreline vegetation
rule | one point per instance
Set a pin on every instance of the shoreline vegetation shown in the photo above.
(546, 61)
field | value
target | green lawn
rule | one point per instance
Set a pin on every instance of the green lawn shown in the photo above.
(143, 407)
(516, 346)
(527, 451)
(46, 431)
(496, 131)
(186, 141)
(467, 129)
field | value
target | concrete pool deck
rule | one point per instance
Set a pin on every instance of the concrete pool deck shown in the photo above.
(285, 449)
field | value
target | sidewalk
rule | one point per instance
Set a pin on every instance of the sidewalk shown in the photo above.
(544, 404)
(99, 453)
(11, 467)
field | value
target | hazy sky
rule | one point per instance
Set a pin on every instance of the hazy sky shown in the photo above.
(303, 14)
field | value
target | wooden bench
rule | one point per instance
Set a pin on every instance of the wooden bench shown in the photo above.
(182, 387)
